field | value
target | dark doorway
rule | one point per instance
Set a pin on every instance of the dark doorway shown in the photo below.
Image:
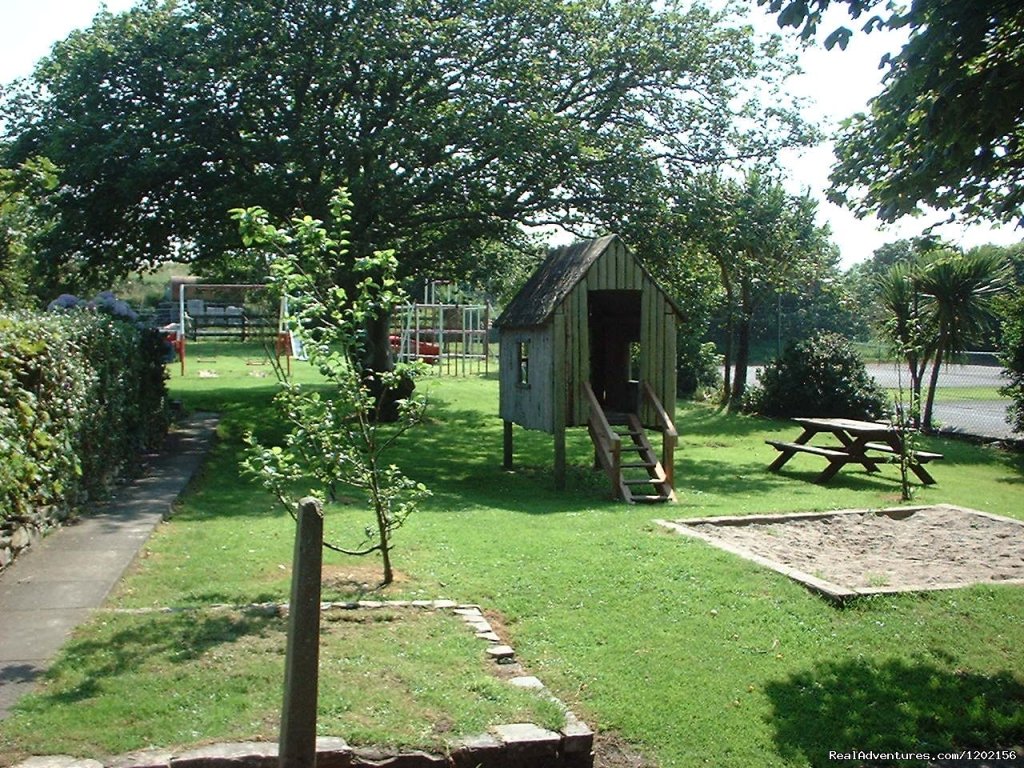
(614, 321)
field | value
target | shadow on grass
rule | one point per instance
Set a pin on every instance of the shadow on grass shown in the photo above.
(458, 455)
(731, 476)
(129, 643)
(893, 706)
(699, 422)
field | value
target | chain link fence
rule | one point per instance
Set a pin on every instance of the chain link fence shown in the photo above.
(967, 399)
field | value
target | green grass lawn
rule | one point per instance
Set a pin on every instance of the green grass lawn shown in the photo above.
(693, 656)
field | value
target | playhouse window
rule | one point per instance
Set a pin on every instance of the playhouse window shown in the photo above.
(523, 362)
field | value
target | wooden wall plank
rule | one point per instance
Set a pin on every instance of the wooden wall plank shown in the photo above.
(558, 372)
(669, 321)
(648, 344)
(582, 341)
(530, 406)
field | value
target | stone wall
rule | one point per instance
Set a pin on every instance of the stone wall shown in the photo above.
(18, 535)
(520, 745)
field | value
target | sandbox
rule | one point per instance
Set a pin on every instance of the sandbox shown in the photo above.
(843, 554)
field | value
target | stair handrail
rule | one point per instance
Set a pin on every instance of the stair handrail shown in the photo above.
(669, 435)
(605, 438)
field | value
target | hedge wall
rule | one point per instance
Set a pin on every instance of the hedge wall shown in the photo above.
(82, 395)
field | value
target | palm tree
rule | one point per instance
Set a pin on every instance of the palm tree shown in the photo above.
(907, 325)
(960, 291)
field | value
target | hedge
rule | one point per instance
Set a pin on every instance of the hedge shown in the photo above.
(82, 396)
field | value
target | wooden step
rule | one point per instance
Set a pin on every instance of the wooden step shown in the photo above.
(645, 481)
(650, 498)
(654, 487)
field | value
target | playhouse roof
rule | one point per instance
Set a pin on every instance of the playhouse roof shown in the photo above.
(553, 280)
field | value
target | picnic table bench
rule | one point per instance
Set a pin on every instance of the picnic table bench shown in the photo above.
(856, 439)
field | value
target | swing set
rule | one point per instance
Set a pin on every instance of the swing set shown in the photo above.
(218, 310)
(450, 336)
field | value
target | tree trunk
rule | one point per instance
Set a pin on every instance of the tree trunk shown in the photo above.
(388, 571)
(727, 360)
(379, 360)
(729, 327)
(912, 415)
(926, 421)
(739, 381)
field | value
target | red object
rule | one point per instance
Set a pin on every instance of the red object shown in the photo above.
(178, 345)
(283, 345)
(424, 350)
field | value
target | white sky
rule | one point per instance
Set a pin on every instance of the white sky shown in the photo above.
(839, 82)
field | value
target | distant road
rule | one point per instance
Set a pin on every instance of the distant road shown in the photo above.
(950, 376)
(982, 418)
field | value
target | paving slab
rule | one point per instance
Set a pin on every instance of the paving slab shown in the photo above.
(57, 583)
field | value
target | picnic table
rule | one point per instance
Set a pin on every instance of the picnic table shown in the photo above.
(868, 443)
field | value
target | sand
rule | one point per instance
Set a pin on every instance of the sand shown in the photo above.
(929, 547)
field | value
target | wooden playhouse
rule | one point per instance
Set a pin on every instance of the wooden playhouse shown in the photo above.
(590, 341)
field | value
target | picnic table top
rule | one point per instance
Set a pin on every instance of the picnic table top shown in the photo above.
(852, 426)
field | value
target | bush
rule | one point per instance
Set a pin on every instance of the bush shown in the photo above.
(821, 376)
(1012, 358)
(82, 394)
(698, 374)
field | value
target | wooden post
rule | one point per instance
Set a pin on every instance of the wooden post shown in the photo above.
(297, 747)
(507, 456)
(487, 338)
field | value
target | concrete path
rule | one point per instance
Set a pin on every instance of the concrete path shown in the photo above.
(62, 578)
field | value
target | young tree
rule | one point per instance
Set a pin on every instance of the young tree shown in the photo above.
(948, 127)
(336, 439)
(862, 279)
(1012, 357)
(907, 326)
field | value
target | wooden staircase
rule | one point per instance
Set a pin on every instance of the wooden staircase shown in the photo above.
(623, 450)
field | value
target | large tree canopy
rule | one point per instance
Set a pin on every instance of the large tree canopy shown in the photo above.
(450, 121)
(22, 189)
(947, 131)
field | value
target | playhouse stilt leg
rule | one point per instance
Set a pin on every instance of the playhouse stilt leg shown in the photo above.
(507, 457)
(560, 459)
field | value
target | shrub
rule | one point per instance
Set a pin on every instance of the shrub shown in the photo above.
(821, 376)
(698, 374)
(82, 394)
(1012, 358)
